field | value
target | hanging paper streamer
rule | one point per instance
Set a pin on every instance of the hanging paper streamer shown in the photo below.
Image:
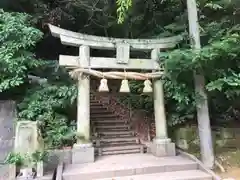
(124, 86)
(103, 86)
(147, 86)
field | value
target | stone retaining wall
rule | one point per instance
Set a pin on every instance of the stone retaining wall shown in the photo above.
(187, 138)
(7, 117)
(56, 157)
(7, 172)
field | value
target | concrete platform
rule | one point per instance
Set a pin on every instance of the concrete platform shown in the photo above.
(177, 175)
(134, 166)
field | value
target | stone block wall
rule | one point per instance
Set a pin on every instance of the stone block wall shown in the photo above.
(56, 157)
(187, 138)
(7, 117)
(7, 172)
(4, 172)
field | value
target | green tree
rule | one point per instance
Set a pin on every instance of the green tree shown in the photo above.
(17, 39)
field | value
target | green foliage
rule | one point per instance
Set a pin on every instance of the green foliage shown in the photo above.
(26, 159)
(44, 103)
(47, 103)
(15, 158)
(123, 7)
(38, 156)
(50, 105)
(218, 59)
(17, 38)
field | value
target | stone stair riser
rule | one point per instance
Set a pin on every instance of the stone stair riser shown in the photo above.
(100, 111)
(124, 139)
(130, 171)
(104, 116)
(116, 148)
(112, 144)
(125, 151)
(117, 136)
(125, 132)
(114, 126)
(113, 129)
(109, 121)
(97, 108)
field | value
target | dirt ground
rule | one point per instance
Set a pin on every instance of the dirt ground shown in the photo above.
(230, 160)
(232, 173)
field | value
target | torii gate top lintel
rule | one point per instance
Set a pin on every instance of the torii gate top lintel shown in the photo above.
(122, 46)
(76, 39)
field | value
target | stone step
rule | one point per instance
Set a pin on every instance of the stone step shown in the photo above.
(117, 143)
(100, 111)
(108, 121)
(103, 116)
(121, 147)
(96, 104)
(98, 108)
(115, 133)
(93, 100)
(118, 146)
(178, 175)
(119, 139)
(129, 165)
(112, 126)
(121, 151)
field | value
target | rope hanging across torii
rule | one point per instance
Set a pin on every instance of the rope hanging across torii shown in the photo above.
(116, 74)
(76, 72)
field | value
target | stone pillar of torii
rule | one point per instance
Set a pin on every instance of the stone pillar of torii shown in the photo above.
(87, 65)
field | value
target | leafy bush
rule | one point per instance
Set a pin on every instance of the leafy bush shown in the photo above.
(17, 38)
(47, 103)
(15, 158)
(51, 105)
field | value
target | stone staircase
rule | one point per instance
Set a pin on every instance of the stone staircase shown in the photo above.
(112, 134)
(136, 167)
(120, 154)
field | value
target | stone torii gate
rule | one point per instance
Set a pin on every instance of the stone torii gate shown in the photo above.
(162, 145)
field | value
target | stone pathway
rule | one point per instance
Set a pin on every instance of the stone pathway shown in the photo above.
(136, 167)
(7, 115)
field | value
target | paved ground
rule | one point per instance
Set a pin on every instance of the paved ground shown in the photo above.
(128, 161)
(136, 167)
(7, 116)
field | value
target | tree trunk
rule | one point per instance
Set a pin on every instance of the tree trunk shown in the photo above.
(204, 127)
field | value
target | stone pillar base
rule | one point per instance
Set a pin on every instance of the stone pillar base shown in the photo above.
(82, 153)
(163, 147)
